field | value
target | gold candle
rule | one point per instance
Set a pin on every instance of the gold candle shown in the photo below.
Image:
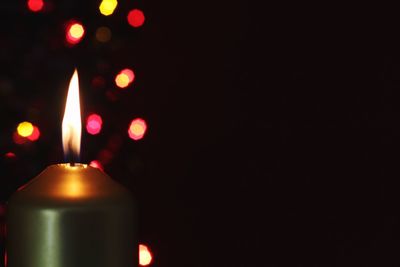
(71, 214)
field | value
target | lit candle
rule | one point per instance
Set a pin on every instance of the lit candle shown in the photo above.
(71, 215)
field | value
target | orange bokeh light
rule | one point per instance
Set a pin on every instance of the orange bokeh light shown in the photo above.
(75, 32)
(145, 257)
(35, 5)
(137, 129)
(136, 18)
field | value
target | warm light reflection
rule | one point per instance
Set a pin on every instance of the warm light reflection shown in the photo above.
(71, 125)
(74, 188)
(25, 129)
(145, 256)
(137, 129)
(107, 7)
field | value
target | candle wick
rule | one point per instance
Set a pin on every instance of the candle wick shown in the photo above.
(71, 155)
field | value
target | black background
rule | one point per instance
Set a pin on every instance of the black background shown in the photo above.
(273, 131)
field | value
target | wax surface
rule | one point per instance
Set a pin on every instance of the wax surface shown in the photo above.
(71, 216)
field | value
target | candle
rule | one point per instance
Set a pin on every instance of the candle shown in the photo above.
(71, 214)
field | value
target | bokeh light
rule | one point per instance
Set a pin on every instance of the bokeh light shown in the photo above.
(136, 18)
(103, 34)
(107, 7)
(145, 257)
(129, 73)
(122, 80)
(25, 129)
(137, 129)
(34, 136)
(94, 124)
(19, 140)
(35, 5)
(10, 155)
(75, 32)
(96, 164)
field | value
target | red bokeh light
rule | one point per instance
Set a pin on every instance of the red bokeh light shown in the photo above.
(35, 134)
(145, 256)
(74, 32)
(96, 164)
(94, 124)
(19, 139)
(136, 18)
(10, 155)
(137, 129)
(35, 5)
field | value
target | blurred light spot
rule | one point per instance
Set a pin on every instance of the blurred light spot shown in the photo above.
(122, 80)
(10, 155)
(107, 7)
(129, 73)
(103, 34)
(145, 256)
(137, 129)
(98, 82)
(93, 124)
(75, 33)
(25, 129)
(35, 134)
(19, 140)
(111, 95)
(35, 5)
(136, 18)
(105, 156)
(96, 164)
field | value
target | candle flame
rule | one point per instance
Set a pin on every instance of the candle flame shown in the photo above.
(72, 124)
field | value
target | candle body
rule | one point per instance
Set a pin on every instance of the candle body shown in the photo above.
(71, 216)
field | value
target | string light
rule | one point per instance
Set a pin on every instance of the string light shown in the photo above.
(75, 32)
(35, 5)
(137, 129)
(145, 257)
(107, 7)
(136, 18)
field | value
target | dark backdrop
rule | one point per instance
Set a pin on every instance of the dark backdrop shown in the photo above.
(273, 131)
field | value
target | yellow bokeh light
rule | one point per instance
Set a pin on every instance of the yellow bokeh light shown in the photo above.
(76, 31)
(25, 129)
(122, 80)
(107, 7)
(137, 129)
